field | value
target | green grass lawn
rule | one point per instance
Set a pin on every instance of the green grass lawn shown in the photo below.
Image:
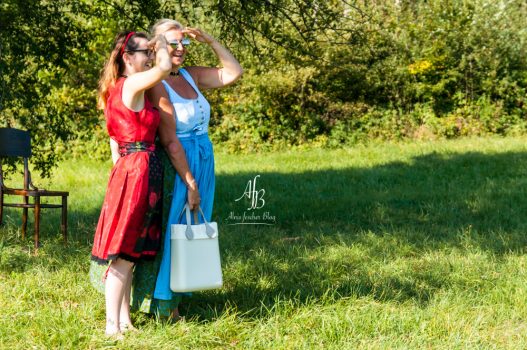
(407, 245)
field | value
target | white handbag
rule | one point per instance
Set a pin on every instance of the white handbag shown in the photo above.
(194, 255)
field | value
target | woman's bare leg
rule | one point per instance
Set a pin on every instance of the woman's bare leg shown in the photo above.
(114, 291)
(125, 322)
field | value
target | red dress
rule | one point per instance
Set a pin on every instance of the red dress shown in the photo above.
(130, 220)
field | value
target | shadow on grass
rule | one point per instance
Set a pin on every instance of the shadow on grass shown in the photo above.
(337, 230)
(18, 255)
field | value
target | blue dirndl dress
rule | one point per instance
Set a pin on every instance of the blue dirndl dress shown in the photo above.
(192, 119)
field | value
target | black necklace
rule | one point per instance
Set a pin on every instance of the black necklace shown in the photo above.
(174, 74)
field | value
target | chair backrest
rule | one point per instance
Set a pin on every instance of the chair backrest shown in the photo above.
(15, 143)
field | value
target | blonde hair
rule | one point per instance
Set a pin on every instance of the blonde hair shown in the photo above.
(114, 67)
(164, 25)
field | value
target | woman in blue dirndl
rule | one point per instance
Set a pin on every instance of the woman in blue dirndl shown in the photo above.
(188, 158)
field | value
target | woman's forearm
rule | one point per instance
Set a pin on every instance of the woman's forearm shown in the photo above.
(177, 157)
(230, 64)
(114, 148)
(212, 77)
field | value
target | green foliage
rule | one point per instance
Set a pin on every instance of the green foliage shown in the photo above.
(316, 72)
(41, 71)
(282, 110)
(409, 69)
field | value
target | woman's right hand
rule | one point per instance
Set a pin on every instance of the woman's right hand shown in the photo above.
(194, 199)
(163, 60)
(159, 41)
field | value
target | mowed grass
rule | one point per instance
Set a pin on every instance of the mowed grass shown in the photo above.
(385, 246)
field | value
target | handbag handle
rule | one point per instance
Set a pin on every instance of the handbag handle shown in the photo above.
(211, 233)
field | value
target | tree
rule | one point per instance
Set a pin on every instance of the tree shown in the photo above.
(41, 70)
(313, 68)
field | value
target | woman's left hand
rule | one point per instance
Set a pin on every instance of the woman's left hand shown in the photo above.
(198, 35)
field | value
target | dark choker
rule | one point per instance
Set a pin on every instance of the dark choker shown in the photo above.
(174, 74)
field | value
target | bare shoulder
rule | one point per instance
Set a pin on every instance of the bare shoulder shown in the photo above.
(156, 92)
(157, 89)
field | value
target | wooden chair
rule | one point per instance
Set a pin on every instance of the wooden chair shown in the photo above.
(17, 143)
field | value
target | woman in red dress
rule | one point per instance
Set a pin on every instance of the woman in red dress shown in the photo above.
(129, 224)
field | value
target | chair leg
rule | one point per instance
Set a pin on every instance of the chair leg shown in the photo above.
(65, 218)
(24, 218)
(37, 221)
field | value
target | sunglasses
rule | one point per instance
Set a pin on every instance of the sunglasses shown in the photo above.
(147, 52)
(175, 43)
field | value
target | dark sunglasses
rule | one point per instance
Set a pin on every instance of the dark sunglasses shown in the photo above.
(175, 43)
(147, 52)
